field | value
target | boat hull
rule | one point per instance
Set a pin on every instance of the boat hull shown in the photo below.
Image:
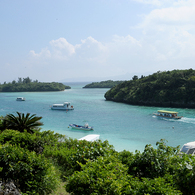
(62, 108)
(80, 127)
(20, 99)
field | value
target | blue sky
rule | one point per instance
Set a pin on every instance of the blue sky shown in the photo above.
(94, 40)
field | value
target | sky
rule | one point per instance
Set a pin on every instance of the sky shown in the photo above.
(94, 40)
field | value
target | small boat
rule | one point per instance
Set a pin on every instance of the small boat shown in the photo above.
(188, 148)
(20, 99)
(91, 138)
(65, 106)
(81, 127)
(167, 114)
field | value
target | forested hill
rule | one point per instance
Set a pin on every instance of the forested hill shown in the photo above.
(167, 89)
(27, 85)
(103, 84)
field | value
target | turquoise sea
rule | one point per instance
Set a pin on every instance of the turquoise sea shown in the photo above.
(126, 127)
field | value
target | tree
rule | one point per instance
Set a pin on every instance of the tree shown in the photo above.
(19, 80)
(13, 82)
(26, 80)
(21, 122)
(135, 77)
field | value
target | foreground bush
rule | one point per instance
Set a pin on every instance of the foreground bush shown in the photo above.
(103, 176)
(32, 173)
(184, 176)
(164, 162)
(67, 154)
(107, 175)
(156, 186)
(33, 142)
(152, 163)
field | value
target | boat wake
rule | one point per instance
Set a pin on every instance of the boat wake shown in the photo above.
(188, 120)
(183, 119)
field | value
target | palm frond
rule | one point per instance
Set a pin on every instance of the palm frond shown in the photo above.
(21, 122)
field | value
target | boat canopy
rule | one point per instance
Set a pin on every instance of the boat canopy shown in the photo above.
(92, 137)
(168, 112)
(66, 102)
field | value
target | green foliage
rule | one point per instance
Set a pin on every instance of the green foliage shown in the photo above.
(103, 84)
(32, 173)
(33, 142)
(152, 163)
(21, 122)
(156, 186)
(27, 85)
(172, 88)
(67, 154)
(184, 176)
(164, 163)
(106, 175)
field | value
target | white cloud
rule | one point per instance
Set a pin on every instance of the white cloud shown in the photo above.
(62, 44)
(91, 48)
(170, 31)
(45, 53)
(167, 42)
(174, 16)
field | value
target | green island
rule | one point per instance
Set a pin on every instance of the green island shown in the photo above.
(174, 88)
(44, 162)
(27, 85)
(103, 84)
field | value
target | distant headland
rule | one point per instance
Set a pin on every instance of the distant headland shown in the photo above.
(27, 85)
(164, 89)
(103, 84)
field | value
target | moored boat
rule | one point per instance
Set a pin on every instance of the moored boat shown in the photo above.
(167, 114)
(20, 99)
(65, 106)
(188, 148)
(81, 127)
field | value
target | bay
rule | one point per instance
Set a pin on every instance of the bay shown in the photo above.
(126, 127)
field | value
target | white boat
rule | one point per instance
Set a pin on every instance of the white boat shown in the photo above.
(167, 114)
(20, 99)
(85, 127)
(188, 148)
(65, 106)
(91, 138)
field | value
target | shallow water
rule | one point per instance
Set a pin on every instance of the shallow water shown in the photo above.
(126, 127)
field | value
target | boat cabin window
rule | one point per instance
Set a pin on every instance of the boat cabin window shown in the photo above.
(191, 151)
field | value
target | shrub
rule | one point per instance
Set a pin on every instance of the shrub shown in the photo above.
(184, 176)
(33, 142)
(156, 186)
(32, 173)
(109, 176)
(106, 175)
(66, 154)
(152, 163)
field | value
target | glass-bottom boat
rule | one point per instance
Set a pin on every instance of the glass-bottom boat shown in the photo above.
(167, 114)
